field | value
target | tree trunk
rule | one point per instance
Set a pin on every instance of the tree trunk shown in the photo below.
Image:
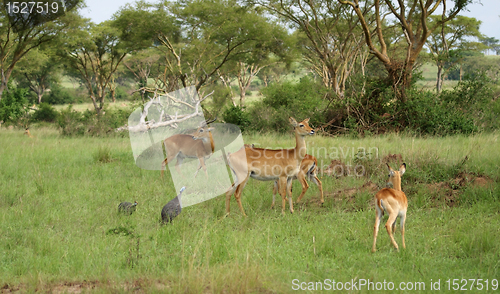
(400, 75)
(439, 82)
(5, 79)
(242, 98)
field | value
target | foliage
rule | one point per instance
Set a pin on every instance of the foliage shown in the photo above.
(376, 110)
(14, 104)
(236, 115)
(60, 95)
(38, 70)
(300, 100)
(446, 43)
(17, 42)
(475, 63)
(411, 24)
(71, 122)
(45, 112)
(426, 114)
(217, 32)
(470, 93)
(74, 123)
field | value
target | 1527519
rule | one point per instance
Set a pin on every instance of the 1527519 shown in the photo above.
(472, 284)
(43, 7)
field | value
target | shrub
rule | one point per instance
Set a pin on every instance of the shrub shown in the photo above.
(301, 100)
(74, 123)
(59, 95)
(426, 114)
(236, 115)
(71, 122)
(14, 104)
(46, 113)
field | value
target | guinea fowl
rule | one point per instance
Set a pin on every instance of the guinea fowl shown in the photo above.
(127, 207)
(172, 208)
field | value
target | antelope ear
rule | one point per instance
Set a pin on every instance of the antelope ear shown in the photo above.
(306, 120)
(402, 169)
(210, 129)
(293, 121)
(391, 171)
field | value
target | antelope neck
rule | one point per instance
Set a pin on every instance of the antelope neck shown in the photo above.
(396, 184)
(300, 147)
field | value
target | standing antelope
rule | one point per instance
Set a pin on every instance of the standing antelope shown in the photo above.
(269, 165)
(198, 145)
(308, 169)
(394, 202)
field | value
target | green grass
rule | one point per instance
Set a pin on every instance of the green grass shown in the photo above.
(59, 226)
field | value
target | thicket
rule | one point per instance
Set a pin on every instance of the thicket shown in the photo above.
(370, 107)
(14, 104)
(75, 123)
(300, 100)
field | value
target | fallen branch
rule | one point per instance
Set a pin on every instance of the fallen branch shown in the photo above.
(144, 125)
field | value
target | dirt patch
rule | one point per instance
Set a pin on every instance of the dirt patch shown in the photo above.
(450, 190)
(349, 193)
(137, 286)
(392, 158)
(462, 180)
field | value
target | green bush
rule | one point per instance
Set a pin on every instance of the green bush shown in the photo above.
(427, 114)
(45, 113)
(236, 115)
(14, 104)
(71, 122)
(59, 95)
(120, 94)
(74, 123)
(300, 100)
(470, 93)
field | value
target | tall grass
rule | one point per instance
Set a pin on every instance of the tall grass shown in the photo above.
(60, 226)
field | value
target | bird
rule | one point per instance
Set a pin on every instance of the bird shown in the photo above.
(127, 207)
(172, 208)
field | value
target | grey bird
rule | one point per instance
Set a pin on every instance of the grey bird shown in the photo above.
(172, 208)
(127, 207)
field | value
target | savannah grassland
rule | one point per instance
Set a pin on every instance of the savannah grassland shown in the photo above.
(60, 231)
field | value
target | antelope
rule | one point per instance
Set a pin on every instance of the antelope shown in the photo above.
(27, 132)
(308, 169)
(268, 165)
(199, 145)
(394, 202)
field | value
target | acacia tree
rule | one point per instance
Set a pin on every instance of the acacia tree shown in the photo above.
(328, 34)
(93, 55)
(142, 64)
(445, 43)
(94, 52)
(38, 70)
(413, 17)
(215, 32)
(17, 38)
(491, 43)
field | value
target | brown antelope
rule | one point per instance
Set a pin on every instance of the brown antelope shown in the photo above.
(394, 202)
(268, 165)
(308, 169)
(199, 145)
(27, 132)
